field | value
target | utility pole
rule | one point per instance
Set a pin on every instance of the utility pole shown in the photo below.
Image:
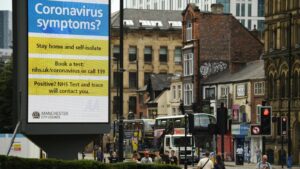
(120, 73)
(186, 140)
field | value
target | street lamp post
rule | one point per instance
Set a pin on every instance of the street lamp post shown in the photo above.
(120, 73)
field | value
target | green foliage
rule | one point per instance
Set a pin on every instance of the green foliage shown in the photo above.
(20, 163)
(6, 96)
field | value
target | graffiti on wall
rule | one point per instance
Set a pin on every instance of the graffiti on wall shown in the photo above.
(210, 68)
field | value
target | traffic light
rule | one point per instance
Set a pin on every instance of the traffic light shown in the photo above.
(222, 119)
(284, 125)
(265, 119)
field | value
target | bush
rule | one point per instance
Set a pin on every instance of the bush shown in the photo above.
(21, 163)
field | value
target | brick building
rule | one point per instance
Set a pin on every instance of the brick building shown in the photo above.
(276, 69)
(212, 42)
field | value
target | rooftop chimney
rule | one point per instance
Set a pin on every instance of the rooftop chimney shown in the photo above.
(217, 8)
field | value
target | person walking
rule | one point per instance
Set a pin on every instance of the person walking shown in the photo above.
(264, 164)
(100, 155)
(219, 163)
(166, 157)
(157, 158)
(205, 163)
(173, 158)
(146, 159)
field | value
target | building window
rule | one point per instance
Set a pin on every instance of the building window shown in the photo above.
(241, 90)
(132, 104)
(148, 54)
(224, 92)
(296, 84)
(116, 103)
(243, 10)
(283, 86)
(174, 92)
(171, 4)
(259, 88)
(271, 87)
(179, 92)
(284, 36)
(189, 30)
(210, 93)
(132, 53)
(188, 94)
(116, 51)
(188, 64)
(132, 80)
(272, 38)
(297, 34)
(155, 5)
(163, 4)
(179, 4)
(261, 25)
(237, 10)
(261, 8)
(163, 54)
(177, 57)
(249, 25)
(243, 22)
(249, 10)
(146, 77)
(116, 79)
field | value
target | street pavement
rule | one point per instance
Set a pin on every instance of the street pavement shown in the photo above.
(228, 165)
(231, 165)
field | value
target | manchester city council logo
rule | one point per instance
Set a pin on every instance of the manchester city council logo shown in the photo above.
(36, 115)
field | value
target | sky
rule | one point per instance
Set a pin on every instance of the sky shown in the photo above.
(7, 5)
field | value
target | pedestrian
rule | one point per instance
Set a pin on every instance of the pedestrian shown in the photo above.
(157, 158)
(146, 159)
(100, 155)
(205, 163)
(219, 163)
(258, 155)
(173, 158)
(264, 164)
(166, 157)
(239, 155)
(113, 158)
(135, 158)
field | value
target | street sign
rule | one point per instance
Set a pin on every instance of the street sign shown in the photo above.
(255, 130)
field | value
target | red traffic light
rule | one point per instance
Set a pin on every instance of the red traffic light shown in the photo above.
(266, 112)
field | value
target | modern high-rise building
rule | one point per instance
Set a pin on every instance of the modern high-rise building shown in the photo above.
(5, 29)
(250, 13)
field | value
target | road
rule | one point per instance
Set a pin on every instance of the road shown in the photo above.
(231, 165)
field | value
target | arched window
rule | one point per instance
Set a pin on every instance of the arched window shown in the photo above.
(275, 88)
(271, 85)
(283, 86)
(296, 84)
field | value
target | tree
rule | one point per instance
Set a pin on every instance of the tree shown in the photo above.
(6, 97)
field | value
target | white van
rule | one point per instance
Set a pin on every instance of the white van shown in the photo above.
(176, 143)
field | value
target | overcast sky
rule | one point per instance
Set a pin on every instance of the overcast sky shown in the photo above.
(7, 5)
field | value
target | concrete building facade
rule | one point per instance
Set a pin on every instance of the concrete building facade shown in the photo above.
(276, 69)
(249, 12)
(5, 29)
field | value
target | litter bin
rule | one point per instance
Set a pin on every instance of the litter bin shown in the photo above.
(239, 159)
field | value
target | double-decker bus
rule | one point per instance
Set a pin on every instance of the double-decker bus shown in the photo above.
(138, 134)
(175, 125)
